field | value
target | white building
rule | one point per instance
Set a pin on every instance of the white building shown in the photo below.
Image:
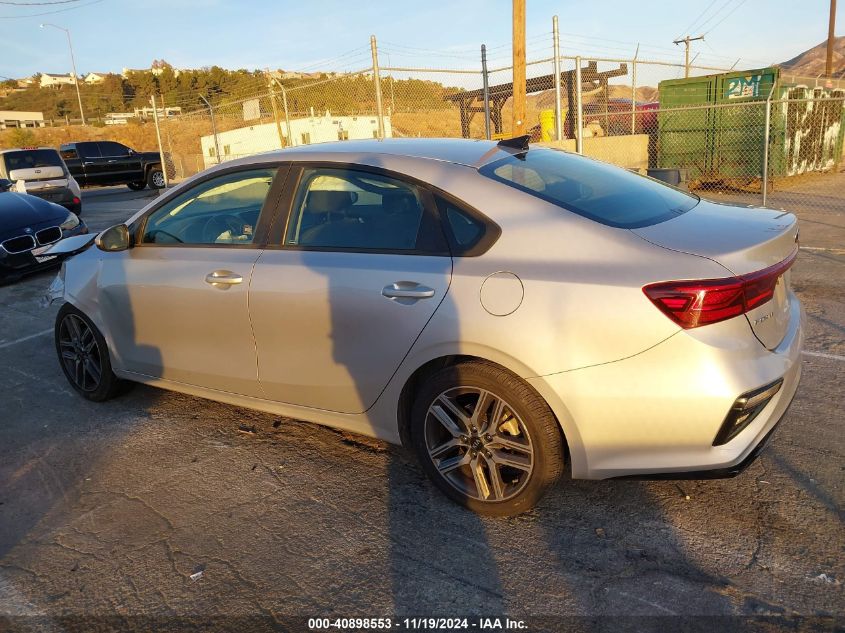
(48, 80)
(264, 137)
(95, 78)
(118, 118)
(11, 118)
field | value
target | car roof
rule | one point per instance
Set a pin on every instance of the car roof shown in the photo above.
(23, 149)
(469, 152)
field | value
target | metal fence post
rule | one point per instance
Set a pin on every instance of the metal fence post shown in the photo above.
(634, 91)
(213, 128)
(556, 44)
(486, 85)
(287, 117)
(160, 146)
(766, 136)
(579, 120)
(377, 80)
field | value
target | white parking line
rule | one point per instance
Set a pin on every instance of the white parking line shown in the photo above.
(835, 251)
(25, 338)
(823, 355)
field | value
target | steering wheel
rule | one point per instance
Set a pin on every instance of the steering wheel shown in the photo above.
(155, 232)
(216, 225)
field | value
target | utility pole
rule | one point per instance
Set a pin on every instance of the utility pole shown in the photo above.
(518, 67)
(270, 81)
(73, 65)
(828, 64)
(686, 41)
(158, 138)
(213, 128)
(377, 81)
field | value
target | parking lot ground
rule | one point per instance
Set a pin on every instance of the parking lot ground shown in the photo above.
(159, 505)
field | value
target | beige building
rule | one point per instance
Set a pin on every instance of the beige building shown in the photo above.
(12, 118)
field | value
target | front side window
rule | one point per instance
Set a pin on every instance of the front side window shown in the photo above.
(604, 193)
(223, 210)
(348, 209)
(110, 148)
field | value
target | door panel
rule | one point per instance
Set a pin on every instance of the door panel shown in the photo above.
(167, 321)
(331, 328)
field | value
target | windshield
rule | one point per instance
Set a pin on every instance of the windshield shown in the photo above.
(604, 193)
(32, 159)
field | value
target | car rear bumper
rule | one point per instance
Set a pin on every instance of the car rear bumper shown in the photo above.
(656, 414)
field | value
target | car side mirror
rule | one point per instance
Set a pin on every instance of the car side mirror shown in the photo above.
(5, 184)
(113, 239)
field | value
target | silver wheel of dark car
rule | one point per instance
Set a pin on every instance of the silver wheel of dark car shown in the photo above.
(80, 353)
(156, 179)
(478, 444)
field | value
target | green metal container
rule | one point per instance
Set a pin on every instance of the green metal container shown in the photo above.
(714, 126)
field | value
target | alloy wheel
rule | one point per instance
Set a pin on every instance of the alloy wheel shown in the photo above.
(158, 179)
(80, 353)
(479, 444)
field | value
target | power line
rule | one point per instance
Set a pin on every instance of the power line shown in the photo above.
(691, 28)
(35, 15)
(729, 14)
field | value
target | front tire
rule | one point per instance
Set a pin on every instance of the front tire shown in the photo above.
(84, 356)
(136, 186)
(486, 438)
(155, 178)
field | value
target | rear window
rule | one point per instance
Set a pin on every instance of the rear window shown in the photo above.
(604, 193)
(32, 159)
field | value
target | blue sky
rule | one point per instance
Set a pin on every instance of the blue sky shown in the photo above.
(111, 34)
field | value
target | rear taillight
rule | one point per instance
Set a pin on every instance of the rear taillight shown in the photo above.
(695, 303)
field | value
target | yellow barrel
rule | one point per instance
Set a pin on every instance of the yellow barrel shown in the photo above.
(547, 125)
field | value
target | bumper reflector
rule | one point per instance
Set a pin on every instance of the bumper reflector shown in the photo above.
(744, 410)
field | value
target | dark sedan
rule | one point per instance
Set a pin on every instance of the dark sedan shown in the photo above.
(28, 226)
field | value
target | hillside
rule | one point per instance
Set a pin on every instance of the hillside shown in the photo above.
(811, 62)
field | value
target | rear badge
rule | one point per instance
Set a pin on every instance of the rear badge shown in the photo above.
(765, 317)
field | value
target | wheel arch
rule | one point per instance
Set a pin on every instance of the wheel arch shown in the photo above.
(405, 402)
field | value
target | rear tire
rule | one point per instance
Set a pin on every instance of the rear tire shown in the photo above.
(84, 356)
(155, 178)
(498, 460)
(136, 186)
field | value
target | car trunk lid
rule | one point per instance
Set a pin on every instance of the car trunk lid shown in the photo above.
(745, 241)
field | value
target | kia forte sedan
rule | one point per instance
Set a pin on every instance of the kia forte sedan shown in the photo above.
(498, 309)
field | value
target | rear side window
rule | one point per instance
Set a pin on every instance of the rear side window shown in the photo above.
(355, 210)
(604, 193)
(88, 150)
(32, 159)
(465, 230)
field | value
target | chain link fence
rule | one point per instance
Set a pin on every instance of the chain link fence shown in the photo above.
(759, 145)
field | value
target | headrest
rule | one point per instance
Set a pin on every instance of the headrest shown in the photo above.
(400, 202)
(329, 201)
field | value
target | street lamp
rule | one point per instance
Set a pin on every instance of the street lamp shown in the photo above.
(73, 65)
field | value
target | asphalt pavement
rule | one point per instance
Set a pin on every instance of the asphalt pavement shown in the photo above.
(160, 509)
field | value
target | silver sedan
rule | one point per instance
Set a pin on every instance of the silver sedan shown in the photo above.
(499, 309)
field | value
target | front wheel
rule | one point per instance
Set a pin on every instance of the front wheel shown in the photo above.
(84, 356)
(155, 179)
(486, 438)
(136, 186)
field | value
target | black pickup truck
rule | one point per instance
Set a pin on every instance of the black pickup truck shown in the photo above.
(109, 163)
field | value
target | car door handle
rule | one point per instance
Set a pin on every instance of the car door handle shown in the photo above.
(88, 163)
(407, 290)
(223, 278)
